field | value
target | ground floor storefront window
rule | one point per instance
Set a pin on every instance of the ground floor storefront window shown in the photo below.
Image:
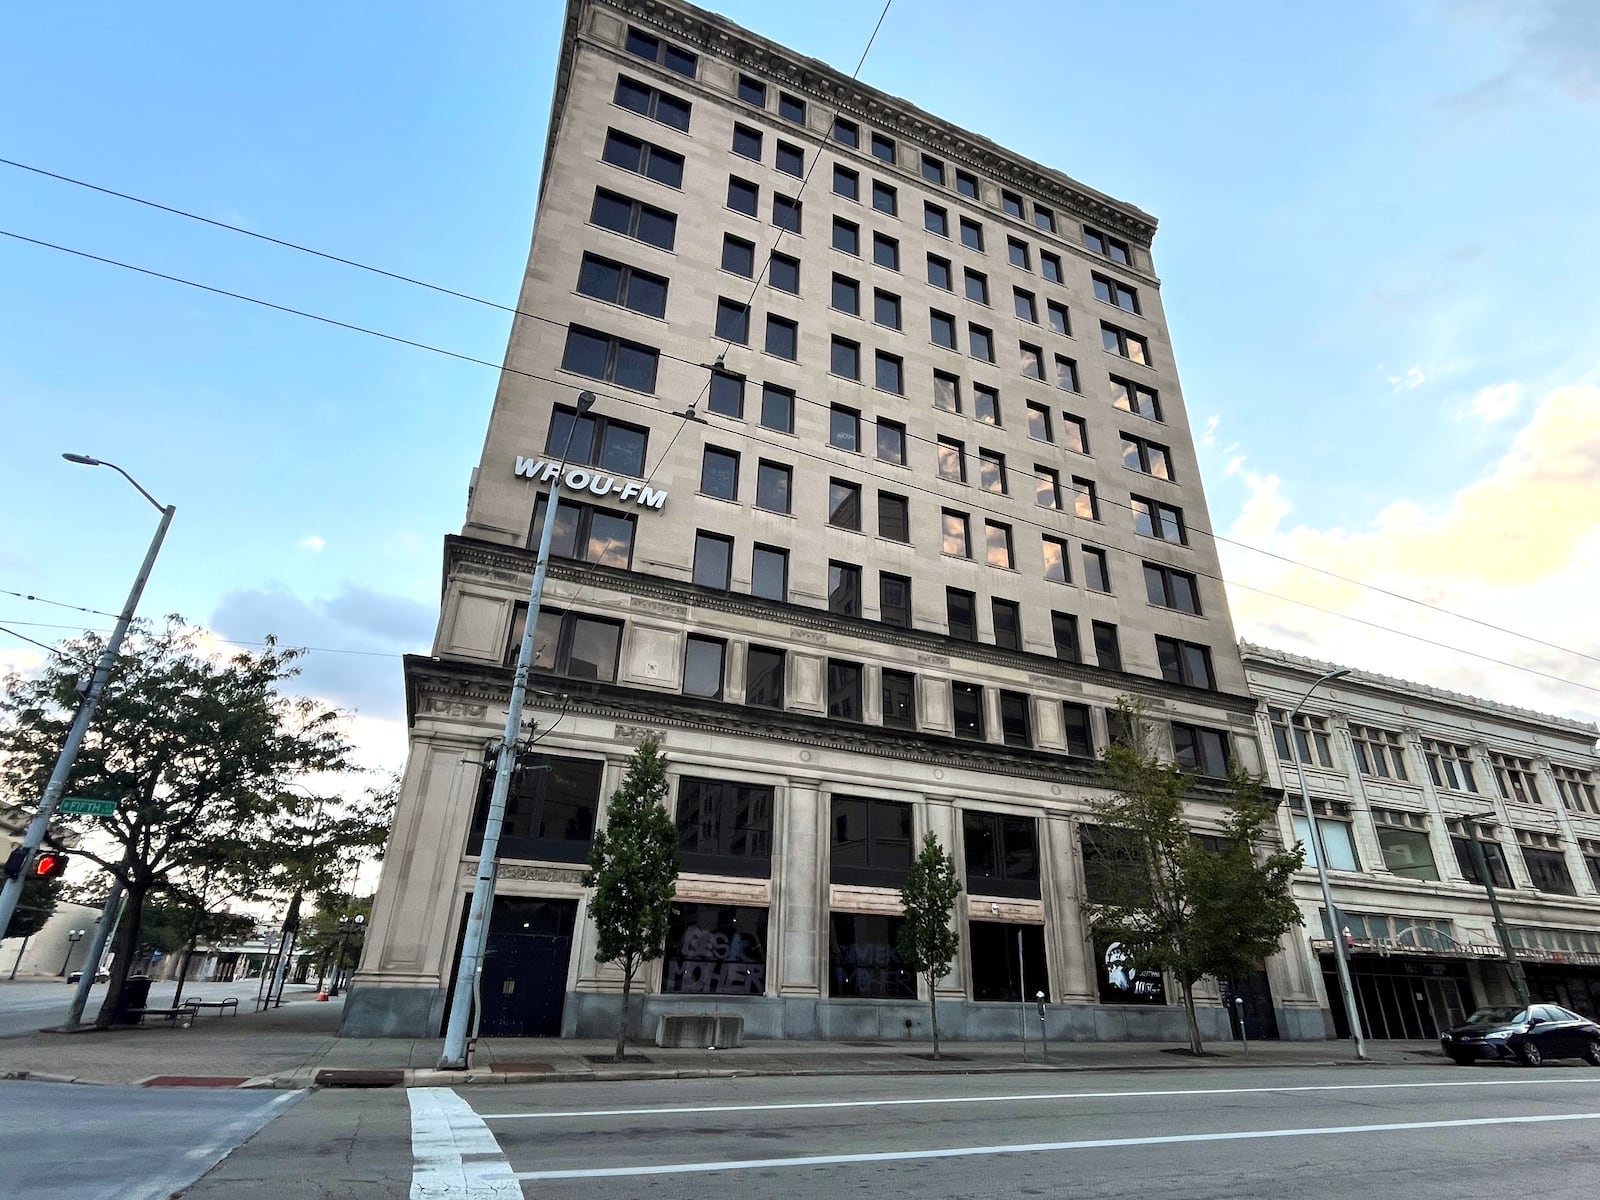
(716, 949)
(1008, 961)
(1415, 1000)
(863, 959)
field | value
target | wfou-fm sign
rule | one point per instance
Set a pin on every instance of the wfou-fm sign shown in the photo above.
(581, 479)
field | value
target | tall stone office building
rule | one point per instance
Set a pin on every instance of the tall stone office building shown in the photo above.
(887, 495)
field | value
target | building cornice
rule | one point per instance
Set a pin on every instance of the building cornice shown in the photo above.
(716, 35)
(513, 564)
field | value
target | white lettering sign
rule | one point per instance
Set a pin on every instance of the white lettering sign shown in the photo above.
(582, 479)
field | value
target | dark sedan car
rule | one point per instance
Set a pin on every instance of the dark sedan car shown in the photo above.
(1529, 1035)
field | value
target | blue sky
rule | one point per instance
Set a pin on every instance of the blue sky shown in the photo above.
(1378, 245)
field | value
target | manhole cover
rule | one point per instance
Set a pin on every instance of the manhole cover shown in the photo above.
(360, 1079)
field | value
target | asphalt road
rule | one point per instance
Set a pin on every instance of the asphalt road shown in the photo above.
(62, 1141)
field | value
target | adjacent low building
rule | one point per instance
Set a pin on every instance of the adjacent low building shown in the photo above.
(1403, 778)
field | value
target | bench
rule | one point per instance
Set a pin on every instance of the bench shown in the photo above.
(170, 1015)
(724, 1031)
(230, 1004)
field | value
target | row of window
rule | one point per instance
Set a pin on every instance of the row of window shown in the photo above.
(1380, 754)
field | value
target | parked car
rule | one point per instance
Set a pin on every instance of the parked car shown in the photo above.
(100, 976)
(1529, 1035)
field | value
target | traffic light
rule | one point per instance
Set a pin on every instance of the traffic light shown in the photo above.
(14, 862)
(49, 865)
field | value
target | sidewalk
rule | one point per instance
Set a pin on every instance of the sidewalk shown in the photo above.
(295, 1046)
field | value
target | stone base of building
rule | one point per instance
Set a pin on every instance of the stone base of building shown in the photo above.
(371, 1011)
(1304, 1024)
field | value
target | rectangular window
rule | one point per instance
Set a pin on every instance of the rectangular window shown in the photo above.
(864, 958)
(1111, 291)
(886, 251)
(1166, 587)
(1107, 650)
(886, 309)
(1002, 854)
(961, 613)
(942, 329)
(1130, 397)
(844, 690)
(1111, 247)
(1310, 734)
(844, 589)
(635, 219)
(935, 219)
(752, 91)
(980, 343)
(783, 273)
(738, 256)
(1078, 732)
(1007, 623)
(612, 359)
(1044, 218)
(1147, 457)
(1515, 778)
(713, 560)
(884, 198)
(597, 441)
(1064, 631)
(1074, 433)
(882, 148)
(899, 699)
(946, 392)
(726, 395)
(932, 169)
(763, 677)
(966, 704)
(1128, 345)
(652, 49)
(844, 504)
(743, 196)
(643, 158)
(1407, 853)
(891, 442)
(966, 185)
(783, 337)
(1085, 504)
(791, 108)
(1577, 792)
(575, 645)
(586, 533)
(889, 373)
(1017, 252)
(1016, 724)
(894, 599)
(1066, 374)
(1378, 752)
(1185, 662)
(846, 132)
(985, 404)
(992, 471)
(1493, 856)
(1055, 559)
(1096, 575)
(550, 810)
(847, 236)
(1046, 487)
(952, 460)
(717, 949)
(1154, 519)
(774, 487)
(977, 285)
(844, 360)
(786, 212)
(956, 538)
(846, 183)
(1060, 322)
(769, 572)
(1050, 267)
(1039, 423)
(702, 666)
(894, 517)
(1011, 203)
(652, 102)
(719, 473)
(1031, 361)
(747, 142)
(971, 234)
(777, 408)
(846, 295)
(1449, 766)
(733, 321)
(939, 272)
(1025, 306)
(1547, 871)
(1336, 840)
(1200, 750)
(870, 843)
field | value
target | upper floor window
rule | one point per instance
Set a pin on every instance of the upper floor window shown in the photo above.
(1150, 458)
(1167, 587)
(1378, 752)
(1515, 778)
(725, 828)
(1154, 519)
(1114, 291)
(747, 142)
(791, 160)
(871, 842)
(651, 48)
(791, 108)
(1577, 792)
(653, 103)
(597, 441)
(885, 198)
(752, 91)
(1050, 267)
(643, 158)
(635, 219)
(617, 283)
(1113, 248)
(1044, 218)
(971, 234)
(844, 690)
(1017, 252)
(586, 533)
(763, 676)
(1449, 766)
(1135, 398)
(846, 132)
(932, 169)
(574, 644)
(1002, 853)
(966, 705)
(1011, 203)
(1310, 735)
(610, 358)
(966, 185)
(550, 810)
(1185, 662)
(1130, 346)
(1203, 751)
(883, 147)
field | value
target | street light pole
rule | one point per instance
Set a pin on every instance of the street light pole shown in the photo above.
(1519, 980)
(1341, 952)
(40, 825)
(73, 938)
(454, 1056)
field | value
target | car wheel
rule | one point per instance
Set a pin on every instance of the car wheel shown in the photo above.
(1591, 1054)
(1529, 1053)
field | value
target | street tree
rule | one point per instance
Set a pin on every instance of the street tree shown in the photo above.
(177, 923)
(1177, 903)
(197, 750)
(633, 870)
(927, 940)
(35, 906)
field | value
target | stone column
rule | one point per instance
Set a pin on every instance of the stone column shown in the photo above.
(1067, 946)
(939, 819)
(800, 879)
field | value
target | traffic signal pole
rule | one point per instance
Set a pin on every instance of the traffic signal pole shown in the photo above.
(40, 825)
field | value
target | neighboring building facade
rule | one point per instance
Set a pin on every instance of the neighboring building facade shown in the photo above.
(930, 519)
(1394, 770)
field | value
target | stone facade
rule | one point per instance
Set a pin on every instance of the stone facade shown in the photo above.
(641, 630)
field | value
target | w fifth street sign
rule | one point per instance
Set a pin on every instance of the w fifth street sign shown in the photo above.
(93, 808)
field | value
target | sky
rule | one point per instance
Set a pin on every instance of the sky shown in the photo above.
(1378, 246)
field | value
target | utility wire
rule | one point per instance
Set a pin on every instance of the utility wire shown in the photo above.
(727, 344)
(99, 612)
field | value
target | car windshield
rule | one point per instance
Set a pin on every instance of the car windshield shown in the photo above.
(1502, 1015)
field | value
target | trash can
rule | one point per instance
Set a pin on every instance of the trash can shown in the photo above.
(135, 993)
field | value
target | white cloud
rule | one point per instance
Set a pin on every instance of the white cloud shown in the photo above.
(1413, 378)
(313, 543)
(1496, 403)
(1208, 436)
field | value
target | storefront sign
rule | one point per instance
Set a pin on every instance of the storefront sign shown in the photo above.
(582, 479)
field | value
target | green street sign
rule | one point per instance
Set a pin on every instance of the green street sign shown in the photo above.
(93, 808)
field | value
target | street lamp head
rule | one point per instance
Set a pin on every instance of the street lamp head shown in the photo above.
(585, 402)
(82, 460)
(1339, 674)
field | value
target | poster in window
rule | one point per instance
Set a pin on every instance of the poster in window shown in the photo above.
(714, 949)
(1123, 980)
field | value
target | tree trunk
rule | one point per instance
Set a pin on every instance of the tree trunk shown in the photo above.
(1188, 1011)
(933, 1007)
(622, 1021)
(127, 942)
(183, 970)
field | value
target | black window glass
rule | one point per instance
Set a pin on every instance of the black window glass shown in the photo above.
(777, 408)
(844, 690)
(783, 337)
(743, 196)
(1016, 724)
(889, 375)
(727, 394)
(747, 142)
(845, 132)
(763, 677)
(966, 705)
(864, 958)
(550, 809)
(715, 950)
(752, 91)
(846, 236)
(783, 273)
(1075, 724)
(791, 108)
(894, 520)
(883, 147)
(894, 599)
(738, 256)
(871, 842)
(1002, 853)
(713, 560)
(899, 699)
(769, 573)
(939, 272)
(1064, 629)
(961, 612)
(1007, 624)
(1107, 652)
(790, 159)
(725, 828)
(846, 294)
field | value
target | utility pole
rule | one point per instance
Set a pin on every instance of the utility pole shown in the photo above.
(1519, 980)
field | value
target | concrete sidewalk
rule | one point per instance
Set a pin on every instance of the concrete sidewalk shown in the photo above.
(296, 1046)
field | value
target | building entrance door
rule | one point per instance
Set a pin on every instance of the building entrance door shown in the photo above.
(1260, 1018)
(1400, 998)
(524, 984)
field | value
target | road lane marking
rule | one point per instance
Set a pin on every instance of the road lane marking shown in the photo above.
(920, 1101)
(196, 1161)
(454, 1154)
(829, 1160)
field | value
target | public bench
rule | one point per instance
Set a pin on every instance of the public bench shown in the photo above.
(171, 1015)
(230, 1004)
(718, 1031)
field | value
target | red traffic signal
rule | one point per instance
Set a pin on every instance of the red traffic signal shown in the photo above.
(49, 865)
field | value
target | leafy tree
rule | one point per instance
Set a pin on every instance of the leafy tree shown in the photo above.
(927, 940)
(35, 906)
(633, 869)
(1175, 903)
(177, 924)
(197, 749)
